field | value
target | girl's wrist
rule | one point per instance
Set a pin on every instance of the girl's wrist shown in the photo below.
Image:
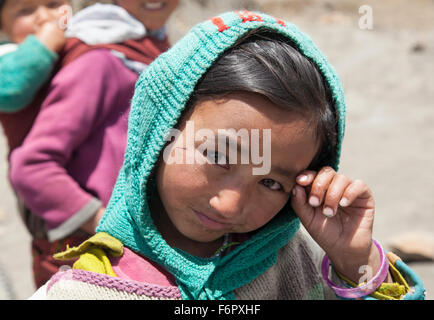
(367, 283)
(359, 268)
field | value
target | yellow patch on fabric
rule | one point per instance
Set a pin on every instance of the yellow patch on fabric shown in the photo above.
(387, 291)
(92, 254)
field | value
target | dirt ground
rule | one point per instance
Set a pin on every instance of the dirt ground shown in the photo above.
(388, 76)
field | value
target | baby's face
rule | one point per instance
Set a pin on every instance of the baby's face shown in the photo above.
(21, 18)
(152, 13)
(205, 201)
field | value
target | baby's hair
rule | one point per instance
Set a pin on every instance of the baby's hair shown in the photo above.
(267, 63)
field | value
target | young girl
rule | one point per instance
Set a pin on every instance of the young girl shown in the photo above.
(187, 221)
(65, 168)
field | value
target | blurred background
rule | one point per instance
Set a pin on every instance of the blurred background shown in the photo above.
(386, 65)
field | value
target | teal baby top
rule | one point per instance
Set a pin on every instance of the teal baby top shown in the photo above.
(23, 72)
(161, 94)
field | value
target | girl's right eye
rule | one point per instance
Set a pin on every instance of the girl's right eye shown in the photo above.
(272, 184)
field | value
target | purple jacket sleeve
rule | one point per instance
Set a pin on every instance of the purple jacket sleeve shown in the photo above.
(81, 96)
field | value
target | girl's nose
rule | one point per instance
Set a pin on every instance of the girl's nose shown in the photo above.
(229, 203)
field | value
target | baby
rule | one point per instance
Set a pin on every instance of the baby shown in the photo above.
(36, 30)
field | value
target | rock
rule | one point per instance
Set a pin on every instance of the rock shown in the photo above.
(418, 47)
(413, 246)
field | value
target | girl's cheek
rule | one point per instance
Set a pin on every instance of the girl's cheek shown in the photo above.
(21, 29)
(264, 211)
(258, 219)
(186, 177)
(182, 186)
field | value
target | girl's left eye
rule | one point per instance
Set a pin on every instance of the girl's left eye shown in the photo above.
(272, 185)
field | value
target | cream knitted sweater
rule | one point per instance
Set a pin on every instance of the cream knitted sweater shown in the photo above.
(295, 276)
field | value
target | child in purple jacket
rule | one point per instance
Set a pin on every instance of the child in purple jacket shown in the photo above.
(68, 164)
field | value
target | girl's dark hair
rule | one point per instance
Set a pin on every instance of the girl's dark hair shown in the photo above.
(267, 63)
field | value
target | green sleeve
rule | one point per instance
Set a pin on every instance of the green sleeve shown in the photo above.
(23, 72)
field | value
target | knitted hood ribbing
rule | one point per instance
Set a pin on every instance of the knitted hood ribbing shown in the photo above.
(161, 94)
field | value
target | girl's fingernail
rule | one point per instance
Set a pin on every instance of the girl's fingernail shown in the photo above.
(294, 191)
(343, 202)
(314, 201)
(328, 212)
(302, 178)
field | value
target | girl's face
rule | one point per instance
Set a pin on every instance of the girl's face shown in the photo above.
(20, 18)
(152, 13)
(202, 202)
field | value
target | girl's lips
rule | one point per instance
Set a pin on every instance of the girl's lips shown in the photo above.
(153, 6)
(210, 223)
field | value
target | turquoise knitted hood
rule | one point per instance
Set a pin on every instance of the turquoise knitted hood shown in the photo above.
(161, 94)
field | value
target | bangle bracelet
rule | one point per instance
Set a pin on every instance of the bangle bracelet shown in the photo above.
(364, 289)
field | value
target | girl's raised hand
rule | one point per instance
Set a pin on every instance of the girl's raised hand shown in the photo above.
(338, 213)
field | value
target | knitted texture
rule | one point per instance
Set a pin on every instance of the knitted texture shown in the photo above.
(86, 285)
(160, 97)
(295, 275)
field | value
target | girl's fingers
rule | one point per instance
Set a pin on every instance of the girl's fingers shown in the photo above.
(357, 189)
(334, 194)
(300, 205)
(320, 185)
(306, 177)
(299, 196)
(327, 189)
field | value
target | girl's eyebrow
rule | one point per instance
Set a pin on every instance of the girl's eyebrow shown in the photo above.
(231, 139)
(17, 3)
(288, 173)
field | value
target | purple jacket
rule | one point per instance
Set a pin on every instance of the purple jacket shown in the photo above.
(68, 164)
